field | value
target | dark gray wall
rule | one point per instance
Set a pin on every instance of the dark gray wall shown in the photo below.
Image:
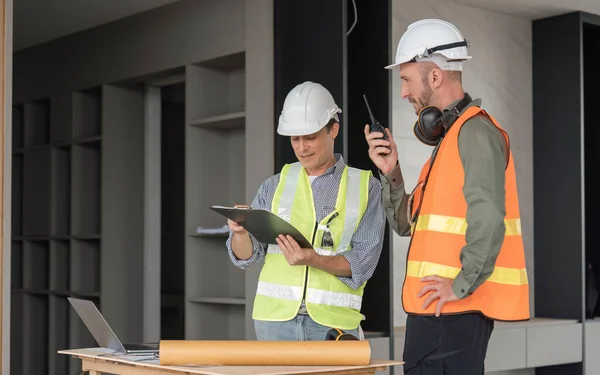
(558, 244)
(367, 53)
(591, 57)
(565, 163)
(172, 234)
(161, 39)
(316, 53)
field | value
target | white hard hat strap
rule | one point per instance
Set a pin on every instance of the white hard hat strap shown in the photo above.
(430, 55)
(430, 51)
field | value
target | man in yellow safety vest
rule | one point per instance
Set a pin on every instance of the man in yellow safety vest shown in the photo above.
(303, 293)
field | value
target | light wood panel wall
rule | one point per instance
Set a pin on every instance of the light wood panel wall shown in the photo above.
(5, 98)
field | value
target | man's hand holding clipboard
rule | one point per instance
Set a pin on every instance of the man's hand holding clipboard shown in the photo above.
(264, 225)
(235, 227)
(294, 253)
(267, 228)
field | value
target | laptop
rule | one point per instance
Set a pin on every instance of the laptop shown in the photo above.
(101, 331)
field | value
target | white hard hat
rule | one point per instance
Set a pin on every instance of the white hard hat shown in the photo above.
(308, 107)
(432, 40)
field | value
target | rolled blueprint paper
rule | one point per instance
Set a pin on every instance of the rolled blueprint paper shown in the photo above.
(264, 353)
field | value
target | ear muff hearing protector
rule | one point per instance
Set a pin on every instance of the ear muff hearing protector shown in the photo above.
(432, 124)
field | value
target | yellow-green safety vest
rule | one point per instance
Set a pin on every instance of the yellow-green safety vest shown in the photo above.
(281, 287)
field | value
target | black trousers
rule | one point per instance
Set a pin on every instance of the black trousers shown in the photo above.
(446, 345)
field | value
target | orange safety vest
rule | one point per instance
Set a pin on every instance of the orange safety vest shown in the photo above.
(438, 235)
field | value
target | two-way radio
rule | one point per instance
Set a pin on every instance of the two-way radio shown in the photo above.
(375, 125)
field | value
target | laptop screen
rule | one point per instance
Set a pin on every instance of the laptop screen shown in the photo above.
(96, 324)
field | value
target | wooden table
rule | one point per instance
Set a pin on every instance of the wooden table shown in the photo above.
(98, 361)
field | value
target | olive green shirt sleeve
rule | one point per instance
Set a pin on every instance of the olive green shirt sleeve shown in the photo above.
(395, 199)
(482, 151)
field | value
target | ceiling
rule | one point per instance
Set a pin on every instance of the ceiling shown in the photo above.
(534, 9)
(38, 21)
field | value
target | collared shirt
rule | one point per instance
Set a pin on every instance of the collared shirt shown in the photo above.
(482, 152)
(367, 240)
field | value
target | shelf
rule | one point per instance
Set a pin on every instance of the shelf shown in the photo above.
(61, 191)
(35, 265)
(532, 323)
(86, 237)
(85, 177)
(59, 265)
(17, 325)
(16, 259)
(88, 140)
(37, 122)
(36, 192)
(35, 334)
(209, 257)
(85, 266)
(18, 126)
(87, 113)
(215, 322)
(209, 235)
(58, 335)
(218, 176)
(221, 122)
(219, 300)
(220, 90)
(61, 118)
(17, 195)
(536, 322)
(592, 346)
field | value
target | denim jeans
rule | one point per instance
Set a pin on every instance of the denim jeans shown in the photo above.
(300, 328)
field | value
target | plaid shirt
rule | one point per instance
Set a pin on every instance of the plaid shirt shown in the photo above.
(367, 240)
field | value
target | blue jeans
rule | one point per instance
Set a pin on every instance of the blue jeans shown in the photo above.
(300, 328)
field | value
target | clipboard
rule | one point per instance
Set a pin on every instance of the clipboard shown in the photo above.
(264, 225)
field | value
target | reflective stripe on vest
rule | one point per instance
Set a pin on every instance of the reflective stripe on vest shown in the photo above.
(323, 297)
(274, 249)
(281, 288)
(457, 225)
(501, 275)
(439, 235)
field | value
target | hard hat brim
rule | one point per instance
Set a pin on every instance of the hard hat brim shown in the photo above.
(296, 132)
(288, 128)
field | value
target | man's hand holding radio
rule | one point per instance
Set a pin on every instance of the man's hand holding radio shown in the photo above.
(384, 154)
